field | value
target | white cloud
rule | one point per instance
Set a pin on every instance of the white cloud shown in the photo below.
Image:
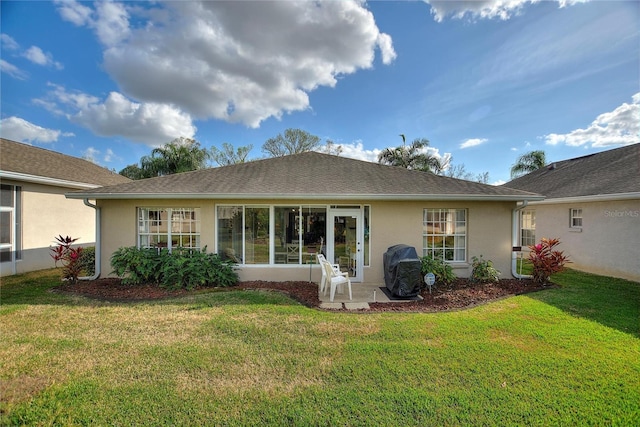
(149, 123)
(37, 56)
(473, 142)
(74, 12)
(484, 9)
(90, 154)
(12, 70)
(153, 124)
(618, 127)
(93, 154)
(18, 129)
(8, 43)
(241, 62)
(499, 182)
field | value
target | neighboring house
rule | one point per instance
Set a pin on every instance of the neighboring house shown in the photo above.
(34, 209)
(274, 215)
(593, 206)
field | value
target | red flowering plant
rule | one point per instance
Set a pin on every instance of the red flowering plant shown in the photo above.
(69, 257)
(546, 261)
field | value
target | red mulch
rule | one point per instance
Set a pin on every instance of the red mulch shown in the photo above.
(459, 295)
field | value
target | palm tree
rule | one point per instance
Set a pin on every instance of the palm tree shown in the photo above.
(528, 162)
(413, 156)
(180, 155)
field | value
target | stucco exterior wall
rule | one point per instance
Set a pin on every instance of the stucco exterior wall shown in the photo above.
(489, 233)
(46, 213)
(608, 242)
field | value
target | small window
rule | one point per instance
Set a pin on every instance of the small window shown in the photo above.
(575, 218)
(528, 228)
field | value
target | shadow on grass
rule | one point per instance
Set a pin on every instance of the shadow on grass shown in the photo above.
(609, 301)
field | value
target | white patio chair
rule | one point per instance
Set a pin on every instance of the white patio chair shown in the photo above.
(335, 278)
(323, 282)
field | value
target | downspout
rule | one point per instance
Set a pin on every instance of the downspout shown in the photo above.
(98, 236)
(514, 242)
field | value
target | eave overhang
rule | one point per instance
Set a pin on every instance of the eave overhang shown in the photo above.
(591, 198)
(304, 196)
(36, 179)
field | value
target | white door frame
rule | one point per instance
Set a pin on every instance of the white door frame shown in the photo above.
(359, 255)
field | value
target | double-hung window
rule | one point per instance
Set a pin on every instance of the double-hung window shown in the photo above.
(528, 228)
(444, 233)
(169, 228)
(575, 218)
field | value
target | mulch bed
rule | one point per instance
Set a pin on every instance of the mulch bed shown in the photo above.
(461, 294)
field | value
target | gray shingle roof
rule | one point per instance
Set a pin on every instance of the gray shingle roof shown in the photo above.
(24, 159)
(610, 172)
(308, 175)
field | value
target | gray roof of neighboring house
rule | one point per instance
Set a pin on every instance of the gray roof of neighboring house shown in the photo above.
(22, 161)
(609, 172)
(308, 175)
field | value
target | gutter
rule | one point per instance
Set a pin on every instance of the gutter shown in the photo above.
(302, 196)
(514, 242)
(98, 263)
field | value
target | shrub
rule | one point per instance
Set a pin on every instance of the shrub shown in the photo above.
(69, 257)
(88, 260)
(136, 265)
(483, 270)
(442, 270)
(545, 260)
(182, 268)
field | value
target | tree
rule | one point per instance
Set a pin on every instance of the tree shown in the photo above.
(180, 155)
(133, 172)
(528, 162)
(331, 148)
(460, 172)
(414, 156)
(230, 156)
(293, 141)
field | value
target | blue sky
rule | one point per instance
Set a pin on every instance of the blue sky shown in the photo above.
(485, 81)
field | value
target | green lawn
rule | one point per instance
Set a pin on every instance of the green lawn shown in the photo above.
(565, 356)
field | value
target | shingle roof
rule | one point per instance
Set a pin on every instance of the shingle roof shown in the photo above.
(307, 176)
(609, 172)
(32, 161)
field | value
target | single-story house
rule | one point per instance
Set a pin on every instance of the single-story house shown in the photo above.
(272, 216)
(592, 204)
(34, 210)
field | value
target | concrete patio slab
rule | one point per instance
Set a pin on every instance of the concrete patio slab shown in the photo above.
(356, 306)
(331, 305)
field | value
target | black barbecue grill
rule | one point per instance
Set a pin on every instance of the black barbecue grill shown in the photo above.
(402, 271)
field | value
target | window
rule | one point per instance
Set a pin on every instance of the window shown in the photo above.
(575, 218)
(169, 228)
(271, 234)
(10, 223)
(444, 234)
(528, 228)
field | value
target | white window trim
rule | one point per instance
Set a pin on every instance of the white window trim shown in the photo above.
(169, 220)
(573, 215)
(455, 262)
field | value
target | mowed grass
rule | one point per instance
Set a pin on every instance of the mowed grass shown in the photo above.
(564, 356)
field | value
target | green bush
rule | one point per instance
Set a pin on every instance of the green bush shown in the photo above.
(442, 270)
(483, 270)
(88, 260)
(182, 268)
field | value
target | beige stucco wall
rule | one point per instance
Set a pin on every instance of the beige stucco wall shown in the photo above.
(46, 213)
(607, 244)
(489, 233)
